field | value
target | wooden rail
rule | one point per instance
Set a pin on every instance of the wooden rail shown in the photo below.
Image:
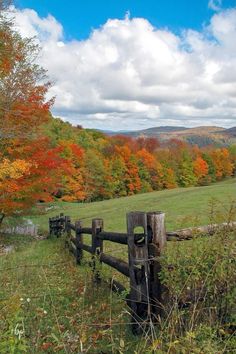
(145, 297)
(143, 250)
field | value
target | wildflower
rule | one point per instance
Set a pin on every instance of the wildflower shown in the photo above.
(21, 299)
(28, 299)
(19, 330)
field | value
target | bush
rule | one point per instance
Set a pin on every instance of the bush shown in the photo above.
(200, 287)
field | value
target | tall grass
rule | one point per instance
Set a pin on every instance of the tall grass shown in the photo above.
(50, 305)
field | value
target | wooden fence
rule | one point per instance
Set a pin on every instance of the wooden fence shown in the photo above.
(146, 293)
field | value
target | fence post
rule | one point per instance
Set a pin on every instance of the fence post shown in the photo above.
(50, 226)
(57, 221)
(138, 299)
(157, 237)
(60, 224)
(53, 225)
(67, 230)
(97, 246)
(79, 240)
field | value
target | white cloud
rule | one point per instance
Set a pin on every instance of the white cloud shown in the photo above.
(28, 23)
(129, 75)
(215, 5)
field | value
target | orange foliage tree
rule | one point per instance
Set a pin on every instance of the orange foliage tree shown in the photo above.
(28, 175)
(200, 168)
(73, 177)
(222, 162)
(28, 165)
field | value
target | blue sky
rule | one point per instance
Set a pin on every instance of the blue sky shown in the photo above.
(80, 17)
(170, 62)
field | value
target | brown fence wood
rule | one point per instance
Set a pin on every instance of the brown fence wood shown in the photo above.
(86, 248)
(86, 230)
(147, 293)
(117, 286)
(97, 247)
(191, 232)
(143, 248)
(68, 229)
(157, 233)
(116, 237)
(139, 298)
(118, 264)
(79, 240)
(72, 227)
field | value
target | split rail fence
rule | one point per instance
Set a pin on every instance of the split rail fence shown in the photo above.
(146, 293)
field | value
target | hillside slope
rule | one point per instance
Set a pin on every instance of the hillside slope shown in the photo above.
(183, 206)
(202, 135)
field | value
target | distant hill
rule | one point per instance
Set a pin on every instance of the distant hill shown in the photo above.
(230, 132)
(156, 131)
(146, 132)
(202, 135)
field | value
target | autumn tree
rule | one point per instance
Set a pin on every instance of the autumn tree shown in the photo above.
(95, 184)
(200, 168)
(28, 175)
(28, 163)
(118, 172)
(22, 98)
(131, 176)
(222, 162)
(72, 187)
(186, 176)
(232, 151)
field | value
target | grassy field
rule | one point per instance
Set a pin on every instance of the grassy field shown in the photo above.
(50, 305)
(183, 206)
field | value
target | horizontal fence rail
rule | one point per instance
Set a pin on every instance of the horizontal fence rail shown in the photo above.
(146, 293)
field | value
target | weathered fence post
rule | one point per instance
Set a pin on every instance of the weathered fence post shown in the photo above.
(61, 226)
(67, 230)
(97, 246)
(67, 225)
(53, 226)
(79, 240)
(157, 237)
(144, 249)
(139, 271)
(50, 226)
(57, 221)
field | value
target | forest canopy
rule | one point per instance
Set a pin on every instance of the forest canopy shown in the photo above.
(42, 158)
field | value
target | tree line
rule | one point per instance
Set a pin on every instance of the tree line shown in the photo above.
(43, 158)
(105, 167)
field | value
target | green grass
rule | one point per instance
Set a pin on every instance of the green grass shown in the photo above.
(183, 206)
(55, 302)
(65, 312)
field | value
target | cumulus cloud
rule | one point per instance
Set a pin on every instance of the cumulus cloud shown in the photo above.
(215, 5)
(129, 74)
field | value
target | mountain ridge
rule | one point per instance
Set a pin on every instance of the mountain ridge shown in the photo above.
(200, 135)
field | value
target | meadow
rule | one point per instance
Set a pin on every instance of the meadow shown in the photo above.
(50, 305)
(183, 206)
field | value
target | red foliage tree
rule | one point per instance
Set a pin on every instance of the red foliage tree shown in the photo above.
(28, 165)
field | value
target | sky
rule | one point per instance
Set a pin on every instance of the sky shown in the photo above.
(135, 64)
(81, 17)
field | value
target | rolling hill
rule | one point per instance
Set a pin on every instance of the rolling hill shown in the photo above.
(230, 131)
(202, 135)
(180, 204)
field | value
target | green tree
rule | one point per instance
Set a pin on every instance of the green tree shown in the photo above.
(186, 177)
